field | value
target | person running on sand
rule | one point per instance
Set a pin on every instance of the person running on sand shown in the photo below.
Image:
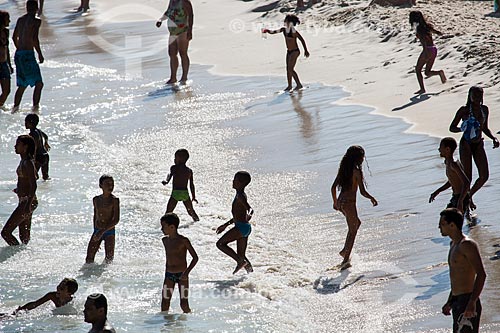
(457, 179)
(25, 190)
(27, 70)
(242, 213)
(348, 180)
(474, 117)
(182, 175)
(106, 217)
(62, 296)
(293, 52)
(5, 64)
(180, 25)
(429, 53)
(176, 268)
(467, 275)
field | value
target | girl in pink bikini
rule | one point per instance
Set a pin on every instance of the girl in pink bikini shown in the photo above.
(429, 53)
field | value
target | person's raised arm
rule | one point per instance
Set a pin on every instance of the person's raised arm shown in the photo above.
(486, 130)
(194, 258)
(32, 305)
(362, 189)
(306, 52)
(454, 123)
(471, 252)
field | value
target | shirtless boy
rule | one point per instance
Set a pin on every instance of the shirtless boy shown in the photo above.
(176, 268)
(467, 274)
(242, 213)
(41, 142)
(106, 217)
(27, 70)
(62, 296)
(182, 175)
(457, 179)
(5, 65)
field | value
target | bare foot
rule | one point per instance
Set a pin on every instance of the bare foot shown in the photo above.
(35, 108)
(420, 92)
(345, 264)
(442, 76)
(15, 109)
(183, 80)
(195, 217)
(171, 81)
(298, 87)
(249, 268)
(288, 88)
(240, 266)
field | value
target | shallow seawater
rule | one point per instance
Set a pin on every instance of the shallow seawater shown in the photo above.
(102, 121)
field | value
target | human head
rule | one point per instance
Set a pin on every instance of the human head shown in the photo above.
(475, 95)
(4, 18)
(96, 308)
(26, 144)
(31, 120)
(451, 219)
(181, 156)
(169, 223)
(293, 19)
(107, 183)
(352, 159)
(447, 146)
(67, 285)
(31, 6)
(416, 16)
(241, 180)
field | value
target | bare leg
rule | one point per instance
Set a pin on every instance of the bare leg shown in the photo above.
(37, 94)
(5, 83)
(481, 161)
(184, 294)
(418, 70)
(189, 207)
(288, 73)
(92, 249)
(40, 7)
(166, 296)
(292, 60)
(241, 248)
(109, 248)
(171, 205)
(19, 96)
(353, 223)
(15, 219)
(230, 236)
(429, 72)
(183, 44)
(174, 62)
(25, 229)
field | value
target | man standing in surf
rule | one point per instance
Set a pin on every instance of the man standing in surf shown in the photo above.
(27, 70)
(180, 25)
(467, 274)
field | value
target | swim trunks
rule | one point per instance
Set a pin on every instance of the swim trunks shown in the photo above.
(4, 70)
(458, 305)
(174, 277)
(106, 234)
(454, 201)
(27, 69)
(177, 18)
(244, 227)
(289, 52)
(180, 195)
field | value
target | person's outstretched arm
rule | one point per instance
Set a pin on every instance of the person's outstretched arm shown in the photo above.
(32, 305)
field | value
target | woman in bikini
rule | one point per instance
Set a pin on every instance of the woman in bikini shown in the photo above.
(5, 65)
(26, 188)
(474, 117)
(429, 53)
(348, 180)
(293, 51)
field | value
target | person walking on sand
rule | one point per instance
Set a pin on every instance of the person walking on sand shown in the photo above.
(292, 54)
(474, 116)
(5, 64)
(27, 70)
(467, 275)
(348, 180)
(26, 192)
(429, 53)
(180, 25)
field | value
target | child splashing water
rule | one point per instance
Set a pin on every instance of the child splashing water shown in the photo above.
(349, 178)
(429, 53)
(293, 52)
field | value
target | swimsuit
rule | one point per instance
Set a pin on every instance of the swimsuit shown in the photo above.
(244, 227)
(289, 52)
(458, 305)
(27, 69)
(454, 201)
(178, 20)
(180, 195)
(174, 277)
(433, 49)
(110, 232)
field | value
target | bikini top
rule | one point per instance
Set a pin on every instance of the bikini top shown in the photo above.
(471, 126)
(288, 33)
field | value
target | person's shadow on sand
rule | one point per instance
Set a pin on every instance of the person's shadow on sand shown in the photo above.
(493, 14)
(442, 284)
(332, 285)
(91, 270)
(415, 100)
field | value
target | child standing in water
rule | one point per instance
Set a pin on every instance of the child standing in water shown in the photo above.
(5, 64)
(176, 268)
(429, 53)
(106, 217)
(348, 180)
(41, 142)
(242, 213)
(293, 52)
(25, 190)
(181, 175)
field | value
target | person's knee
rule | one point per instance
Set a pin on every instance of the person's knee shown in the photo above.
(5, 234)
(39, 85)
(220, 245)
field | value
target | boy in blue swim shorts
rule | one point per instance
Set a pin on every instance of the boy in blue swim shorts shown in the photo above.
(242, 213)
(106, 217)
(26, 40)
